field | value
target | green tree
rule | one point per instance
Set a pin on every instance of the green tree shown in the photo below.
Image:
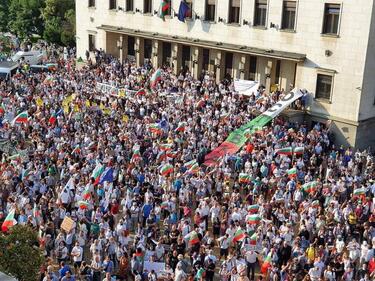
(4, 8)
(25, 17)
(59, 19)
(20, 255)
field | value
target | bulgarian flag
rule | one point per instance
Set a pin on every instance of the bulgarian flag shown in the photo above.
(181, 127)
(298, 150)
(239, 235)
(99, 169)
(292, 173)
(193, 169)
(193, 238)
(155, 128)
(166, 146)
(164, 205)
(136, 156)
(253, 239)
(309, 187)
(76, 150)
(141, 92)
(172, 154)
(164, 7)
(86, 194)
(156, 76)
(52, 120)
(315, 204)
(83, 205)
(266, 263)
(166, 170)
(190, 164)
(36, 214)
(2, 109)
(244, 178)
(253, 209)
(9, 222)
(285, 151)
(21, 118)
(253, 219)
(359, 191)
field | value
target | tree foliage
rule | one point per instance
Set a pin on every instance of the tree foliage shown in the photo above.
(24, 17)
(20, 255)
(4, 8)
(59, 18)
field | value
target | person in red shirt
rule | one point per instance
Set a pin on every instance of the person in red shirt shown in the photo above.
(371, 265)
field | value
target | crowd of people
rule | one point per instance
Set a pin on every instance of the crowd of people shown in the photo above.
(129, 171)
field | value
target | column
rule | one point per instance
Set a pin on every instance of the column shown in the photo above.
(124, 47)
(197, 57)
(268, 71)
(243, 66)
(219, 65)
(156, 53)
(139, 51)
(176, 55)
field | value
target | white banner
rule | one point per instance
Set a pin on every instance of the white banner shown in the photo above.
(245, 87)
(283, 103)
(113, 91)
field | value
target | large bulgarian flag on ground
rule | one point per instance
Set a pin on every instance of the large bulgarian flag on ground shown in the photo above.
(155, 78)
(266, 263)
(238, 137)
(310, 187)
(166, 169)
(239, 235)
(21, 118)
(8, 222)
(98, 171)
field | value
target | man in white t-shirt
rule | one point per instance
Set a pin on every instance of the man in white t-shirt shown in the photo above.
(77, 254)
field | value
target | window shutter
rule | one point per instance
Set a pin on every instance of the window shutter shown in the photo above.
(211, 2)
(236, 3)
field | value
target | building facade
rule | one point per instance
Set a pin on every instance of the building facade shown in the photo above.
(324, 46)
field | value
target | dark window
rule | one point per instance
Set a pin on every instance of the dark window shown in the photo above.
(129, 5)
(92, 43)
(206, 58)
(277, 75)
(91, 3)
(167, 50)
(331, 18)
(289, 15)
(147, 6)
(228, 63)
(112, 4)
(234, 11)
(323, 87)
(148, 48)
(185, 56)
(210, 10)
(252, 68)
(131, 47)
(260, 12)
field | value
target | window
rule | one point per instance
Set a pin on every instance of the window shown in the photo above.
(190, 4)
(148, 48)
(91, 3)
(289, 15)
(277, 74)
(112, 4)
(185, 56)
(147, 6)
(323, 86)
(228, 63)
(167, 51)
(234, 11)
(129, 5)
(131, 46)
(260, 13)
(252, 68)
(331, 18)
(210, 10)
(206, 58)
(92, 43)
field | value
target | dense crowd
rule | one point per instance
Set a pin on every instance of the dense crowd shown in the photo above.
(129, 171)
